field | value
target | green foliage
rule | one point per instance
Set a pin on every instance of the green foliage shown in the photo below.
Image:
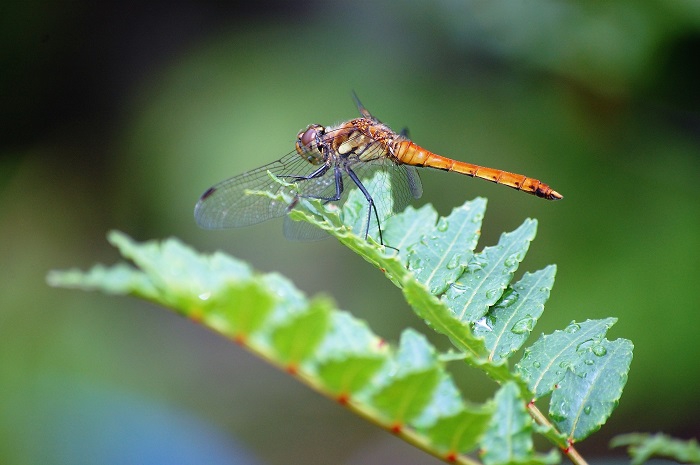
(465, 295)
(641, 447)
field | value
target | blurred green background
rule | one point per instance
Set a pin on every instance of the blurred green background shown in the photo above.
(118, 115)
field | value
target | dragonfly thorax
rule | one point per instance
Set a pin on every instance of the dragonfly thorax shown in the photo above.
(308, 144)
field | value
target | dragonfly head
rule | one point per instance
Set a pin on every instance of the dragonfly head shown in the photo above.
(308, 144)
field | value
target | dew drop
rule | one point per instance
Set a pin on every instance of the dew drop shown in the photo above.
(587, 410)
(458, 288)
(204, 295)
(588, 361)
(562, 407)
(572, 328)
(524, 325)
(436, 288)
(585, 345)
(454, 262)
(599, 350)
(512, 261)
(477, 218)
(415, 264)
(536, 364)
(491, 293)
(442, 225)
(474, 266)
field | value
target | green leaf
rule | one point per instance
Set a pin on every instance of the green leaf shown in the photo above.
(346, 376)
(289, 300)
(488, 273)
(407, 228)
(253, 306)
(445, 402)
(545, 362)
(405, 398)
(508, 438)
(591, 388)
(436, 313)
(296, 339)
(643, 446)
(349, 356)
(508, 323)
(441, 255)
(118, 279)
(177, 271)
(461, 432)
(407, 385)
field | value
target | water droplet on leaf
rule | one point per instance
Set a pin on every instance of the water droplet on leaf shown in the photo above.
(474, 266)
(587, 409)
(512, 261)
(436, 288)
(572, 328)
(599, 350)
(523, 326)
(442, 225)
(457, 288)
(491, 293)
(454, 262)
(415, 263)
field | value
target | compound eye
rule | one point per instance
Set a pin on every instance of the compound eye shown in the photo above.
(309, 136)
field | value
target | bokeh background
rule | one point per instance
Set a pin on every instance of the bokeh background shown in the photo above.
(119, 114)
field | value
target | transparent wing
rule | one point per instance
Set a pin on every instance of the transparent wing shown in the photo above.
(227, 205)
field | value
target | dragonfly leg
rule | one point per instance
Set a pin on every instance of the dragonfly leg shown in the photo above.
(320, 172)
(370, 201)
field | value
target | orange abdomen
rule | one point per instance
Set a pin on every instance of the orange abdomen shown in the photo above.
(411, 154)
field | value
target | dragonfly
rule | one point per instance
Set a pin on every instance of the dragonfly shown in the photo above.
(329, 161)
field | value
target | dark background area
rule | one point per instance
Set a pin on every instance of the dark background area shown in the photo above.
(118, 115)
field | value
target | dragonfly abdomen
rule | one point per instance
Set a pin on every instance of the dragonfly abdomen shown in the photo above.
(411, 154)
